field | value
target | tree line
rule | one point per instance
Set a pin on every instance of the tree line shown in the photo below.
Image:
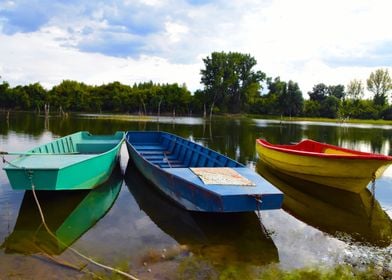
(230, 85)
(72, 96)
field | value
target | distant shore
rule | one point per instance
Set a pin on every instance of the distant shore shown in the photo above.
(122, 116)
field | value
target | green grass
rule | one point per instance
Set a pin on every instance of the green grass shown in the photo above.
(247, 116)
(119, 117)
(296, 119)
(341, 272)
(197, 268)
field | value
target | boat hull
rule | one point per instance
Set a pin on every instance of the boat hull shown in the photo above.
(182, 185)
(86, 162)
(347, 173)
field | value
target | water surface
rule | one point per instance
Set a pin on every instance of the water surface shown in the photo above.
(143, 231)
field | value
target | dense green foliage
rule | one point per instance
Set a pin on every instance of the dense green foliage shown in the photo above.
(144, 98)
(231, 85)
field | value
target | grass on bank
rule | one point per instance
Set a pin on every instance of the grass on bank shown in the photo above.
(308, 119)
(130, 117)
(197, 270)
(201, 270)
(285, 119)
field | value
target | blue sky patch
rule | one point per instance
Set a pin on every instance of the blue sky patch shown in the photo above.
(113, 44)
(199, 2)
(380, 54)
(28, 18)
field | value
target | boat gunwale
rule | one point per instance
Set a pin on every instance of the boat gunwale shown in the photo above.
(164, 169)
(354, 155)
(202, 185)
(10, 166)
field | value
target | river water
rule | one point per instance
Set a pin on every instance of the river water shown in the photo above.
(127, 224)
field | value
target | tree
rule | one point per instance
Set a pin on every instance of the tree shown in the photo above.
(319, 92)
(329, 107)
(380, 84)
(177, 98)
(200, 101)
(19, 98)
(295, 99)
(4, 95)
(311, 108)
(213, 78)
(355, 89)
(70, 95)
(229, 81)
(284, 98)
(336, 91)
(37, 95)
(277, 96)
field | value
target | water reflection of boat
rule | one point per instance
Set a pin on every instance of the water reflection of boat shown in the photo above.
(68, 214)
(215, 236)
(332, 210)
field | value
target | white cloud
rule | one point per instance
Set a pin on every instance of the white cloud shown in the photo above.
(174, 31)
(32, 59)
(305, 41)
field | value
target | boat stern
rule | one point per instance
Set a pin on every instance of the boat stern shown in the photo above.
(248, 203)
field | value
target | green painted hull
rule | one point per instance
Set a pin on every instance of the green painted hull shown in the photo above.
(69, 214)
(75, 162)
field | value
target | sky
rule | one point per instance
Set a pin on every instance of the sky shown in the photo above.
(165, 41)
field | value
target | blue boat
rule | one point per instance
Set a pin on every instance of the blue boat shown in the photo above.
(197, 178)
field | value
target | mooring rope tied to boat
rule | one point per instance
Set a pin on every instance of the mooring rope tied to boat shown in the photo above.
(36, 154)
(69, 247)
(30, 174)
(258, 200)
(257, 197)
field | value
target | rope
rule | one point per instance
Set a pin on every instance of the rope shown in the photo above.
(62, 243)
(29, 173)
(258, 202)
(10, 163)
(36, 154)
(257, 197)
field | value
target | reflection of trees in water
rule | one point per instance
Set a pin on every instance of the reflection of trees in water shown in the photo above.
(234, 137)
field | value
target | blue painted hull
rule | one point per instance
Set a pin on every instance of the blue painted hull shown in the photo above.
(152, 153)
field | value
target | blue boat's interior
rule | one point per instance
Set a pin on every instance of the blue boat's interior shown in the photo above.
(169, 151)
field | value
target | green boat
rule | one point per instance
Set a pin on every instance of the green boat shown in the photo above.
(74, 162)
(68, 214)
